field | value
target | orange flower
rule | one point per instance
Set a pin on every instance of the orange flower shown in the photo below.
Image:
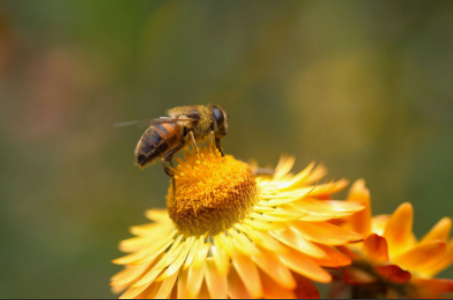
(391, 262)
(229, 233)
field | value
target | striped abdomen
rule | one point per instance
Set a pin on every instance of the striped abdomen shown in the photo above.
(156, 141)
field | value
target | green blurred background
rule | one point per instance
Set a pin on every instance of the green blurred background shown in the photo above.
(365, 87)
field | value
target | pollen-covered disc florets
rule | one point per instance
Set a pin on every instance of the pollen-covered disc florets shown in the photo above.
(212, 193)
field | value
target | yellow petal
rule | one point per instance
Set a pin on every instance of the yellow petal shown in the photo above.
(133, 292)
(221, 259)
(216, 282)
(360, 222)
(151, 291)
(263, 239)
(167, 287)
(417, 257)
(193, 252)
(236, 288)
(326, 207)
(285, 165)
(304, 265)
(263, 226)
(200, 258)
(378, 224)
(138, 243)
(131, 274)
(325, 233)
(182, 284)
(149, 253)
(168, 258)
(176, 265)
(272, 218)
(318, 173)
(242, 243)
(195, 280)
(269, 263)
(157, 215)
(440, 231)
(300, 178)
(248, 272)
(290, 237)
(398, 231)
(146, 229)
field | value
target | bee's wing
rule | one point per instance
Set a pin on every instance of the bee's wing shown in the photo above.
(153, 121)
(190, 111)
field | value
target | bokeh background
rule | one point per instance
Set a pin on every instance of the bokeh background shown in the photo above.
(365, 87)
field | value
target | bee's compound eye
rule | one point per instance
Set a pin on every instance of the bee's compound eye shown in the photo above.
(218, 115)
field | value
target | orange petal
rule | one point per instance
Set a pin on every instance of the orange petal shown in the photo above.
(433, 286)
(269, 263)
(305, 288)
(440, 231)
(204, 292)
(354, 276)
(305, 266)
(360, 222)
(333, 258)
(195, 280)
(275, 291)
(421, 255)
(398, 231)
(325, 233)
(443, 262)
(182, 284)
(248, 272)
(375, 247)
(292, 238)
(216, 282)
(236, 288)
(393, 273)
(328, 207)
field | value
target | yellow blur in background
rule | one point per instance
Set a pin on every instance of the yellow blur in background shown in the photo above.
(365, 87)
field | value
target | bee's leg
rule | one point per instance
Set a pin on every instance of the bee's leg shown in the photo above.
(217, 144)
(212, 140)
(168, 157)
(194, 143)
(263, 172)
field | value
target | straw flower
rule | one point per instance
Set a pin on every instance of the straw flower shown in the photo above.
(229, 233)
(391, 262)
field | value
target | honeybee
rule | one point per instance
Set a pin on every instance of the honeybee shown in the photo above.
(184, 125)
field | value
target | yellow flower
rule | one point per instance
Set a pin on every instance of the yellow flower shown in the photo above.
(391, 262)
(229, 233)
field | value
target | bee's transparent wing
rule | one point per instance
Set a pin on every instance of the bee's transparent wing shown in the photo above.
(152, 121)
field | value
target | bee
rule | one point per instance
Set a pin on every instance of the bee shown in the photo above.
(183, 125)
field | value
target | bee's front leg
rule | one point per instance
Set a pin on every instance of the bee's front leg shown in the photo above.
(217, 144)
(194, 143)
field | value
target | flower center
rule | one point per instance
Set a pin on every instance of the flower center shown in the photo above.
(211, 195)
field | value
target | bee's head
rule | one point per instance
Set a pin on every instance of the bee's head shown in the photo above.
(220, 117)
